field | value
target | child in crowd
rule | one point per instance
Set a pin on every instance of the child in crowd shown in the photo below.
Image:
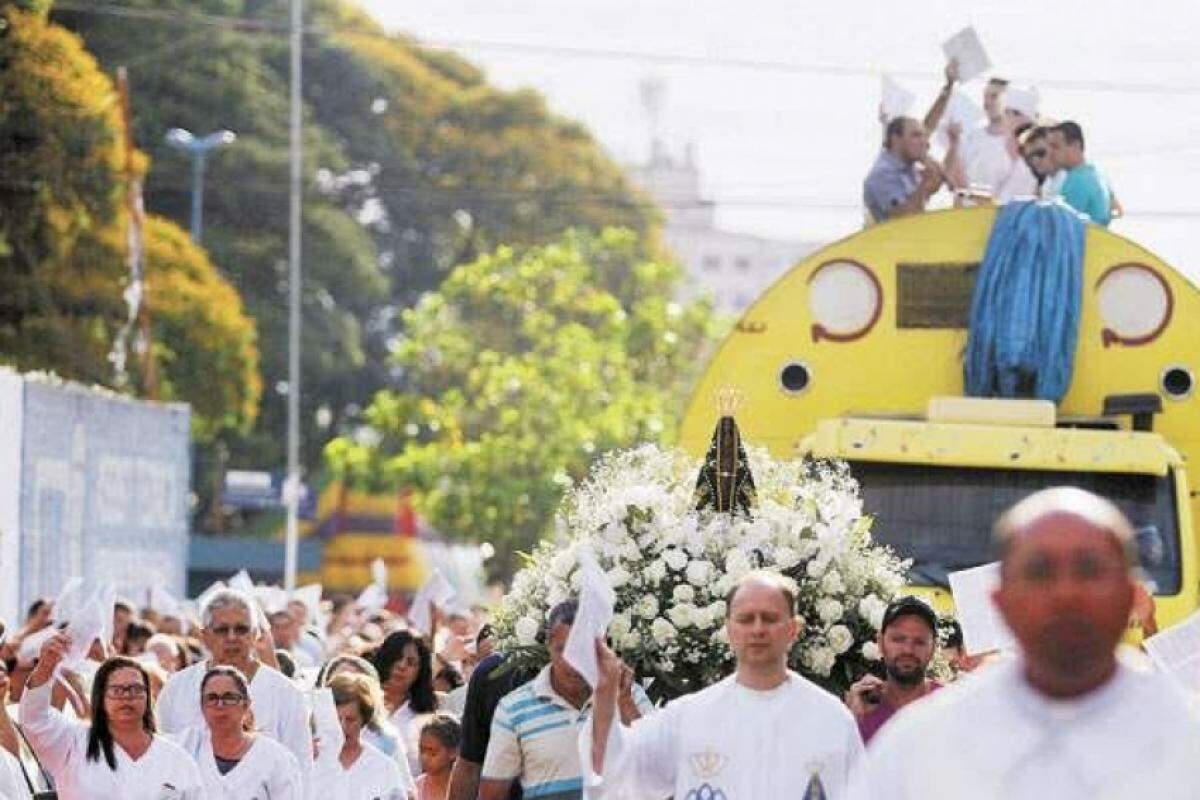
(440, 738)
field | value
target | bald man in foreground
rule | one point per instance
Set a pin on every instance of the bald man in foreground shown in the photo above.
(1066, 719)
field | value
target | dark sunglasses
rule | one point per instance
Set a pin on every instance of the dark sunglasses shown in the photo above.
(237, 630)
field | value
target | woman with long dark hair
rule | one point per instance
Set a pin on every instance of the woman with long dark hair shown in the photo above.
(405, 667)
(235, 762)
(119, 756)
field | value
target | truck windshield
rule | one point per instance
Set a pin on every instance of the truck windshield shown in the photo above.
(941, 517)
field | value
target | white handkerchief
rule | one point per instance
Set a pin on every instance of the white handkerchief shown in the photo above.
(162, 602)
(596, 601)
(310, 595)
(379, 573)
(436, 591)
(895, 100)
(965, 48)
(1176, 651)
(271, 598)
(242, 583)
(69, 601)
(372, 598)
(983, 627)
(88, 625)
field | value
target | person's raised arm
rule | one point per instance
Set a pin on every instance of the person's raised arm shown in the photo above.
(604, 702)
(933, 117)
(50, 733)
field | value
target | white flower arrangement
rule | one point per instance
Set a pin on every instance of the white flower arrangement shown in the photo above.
(671, 567)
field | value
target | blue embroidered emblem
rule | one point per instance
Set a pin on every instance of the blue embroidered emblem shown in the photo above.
(705, 792)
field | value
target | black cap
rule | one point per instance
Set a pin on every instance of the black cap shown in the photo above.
(909, 606)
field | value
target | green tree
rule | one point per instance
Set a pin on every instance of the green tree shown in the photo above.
(520, 369)
(414, 164)
(63, 229)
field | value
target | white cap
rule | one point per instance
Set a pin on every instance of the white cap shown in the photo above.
(1024, 100)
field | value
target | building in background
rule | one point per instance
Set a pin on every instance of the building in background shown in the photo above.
(734, 268)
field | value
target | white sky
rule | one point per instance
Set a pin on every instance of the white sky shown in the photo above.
(770, 143)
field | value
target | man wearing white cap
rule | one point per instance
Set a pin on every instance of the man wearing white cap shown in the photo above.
(989, 158)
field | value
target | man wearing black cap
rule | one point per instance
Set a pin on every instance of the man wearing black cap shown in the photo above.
(907, 640)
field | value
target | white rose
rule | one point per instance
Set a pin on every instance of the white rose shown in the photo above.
(702, 618)
(840, 638)
(558, 593)
(631, 641)
(699, 572)
(647, 607)
(676, 559)
(871, 608)
(717, 609)
(618, 576)
(870, 651)
(684, 593)
(526, 629)
(786, 557)
(737, 564)
(656, 571)
(662, 631)
(829, 610)
(808, 548)
(821, 660)
(563, 563)
(832, 583)
(621, 624)
(681, 614)
(816, 568)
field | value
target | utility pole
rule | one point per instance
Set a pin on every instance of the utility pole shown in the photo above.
(291, 486)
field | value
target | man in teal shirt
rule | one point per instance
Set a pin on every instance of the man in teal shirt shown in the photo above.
(1083, 189)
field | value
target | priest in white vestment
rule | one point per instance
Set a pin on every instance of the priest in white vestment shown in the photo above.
(230, 628)
(764, 732)
(1066, 719)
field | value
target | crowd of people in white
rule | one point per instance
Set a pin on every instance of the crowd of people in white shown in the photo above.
(375, 713)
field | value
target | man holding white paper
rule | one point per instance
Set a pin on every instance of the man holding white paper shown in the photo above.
(535, 732)
(763, 732)
(1066, 719)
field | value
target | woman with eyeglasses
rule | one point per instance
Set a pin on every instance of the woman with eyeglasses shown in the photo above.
(119, 755)
(236, 763)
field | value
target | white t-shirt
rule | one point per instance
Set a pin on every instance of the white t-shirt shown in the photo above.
(985, 158)
(372, 776)
(267, 771)
(996, 738)
(163, 772)
(279, 708)
(732, 740)
(12, 782)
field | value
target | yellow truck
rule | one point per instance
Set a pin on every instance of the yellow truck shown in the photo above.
(857, 354)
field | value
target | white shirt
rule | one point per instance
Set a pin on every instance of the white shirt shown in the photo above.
(12, 782)
(372, 776)
(738, 741)
(279, 708)
(267, 771)
(996, 738)
(986, 159)
(408, 725)
(163, 772)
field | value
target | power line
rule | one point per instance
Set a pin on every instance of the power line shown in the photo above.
(270, 27)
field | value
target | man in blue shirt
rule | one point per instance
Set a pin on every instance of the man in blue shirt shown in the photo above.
(1083, 188)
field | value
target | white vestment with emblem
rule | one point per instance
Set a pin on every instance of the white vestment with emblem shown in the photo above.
(996, 738)
(729, 742)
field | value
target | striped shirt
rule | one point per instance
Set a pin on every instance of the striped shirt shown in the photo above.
(535, 738)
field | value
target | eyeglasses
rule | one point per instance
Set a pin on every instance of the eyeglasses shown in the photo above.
(228, 699)
(119, 691)
(239, 631)
(1039, 153)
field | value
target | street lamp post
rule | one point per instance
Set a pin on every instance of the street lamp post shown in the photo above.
(198, 150)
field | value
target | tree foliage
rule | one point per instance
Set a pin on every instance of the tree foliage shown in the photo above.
(520, 369)
(413, 164)
(63, 222)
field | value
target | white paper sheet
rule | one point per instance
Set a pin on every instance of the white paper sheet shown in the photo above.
(983, 628)
(965, 48)
(436, 591)
(372, 598)
(89, 624)
(310, 595)
(596, 601)
(1176, 651)
(241, 582)
(895, 100)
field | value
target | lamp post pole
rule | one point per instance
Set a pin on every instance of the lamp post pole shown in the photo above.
(198, 150)
(292, 484)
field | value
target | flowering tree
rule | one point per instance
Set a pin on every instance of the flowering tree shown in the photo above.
(672, 567)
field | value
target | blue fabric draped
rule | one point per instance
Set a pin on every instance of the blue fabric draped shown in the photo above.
(1026, 307)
